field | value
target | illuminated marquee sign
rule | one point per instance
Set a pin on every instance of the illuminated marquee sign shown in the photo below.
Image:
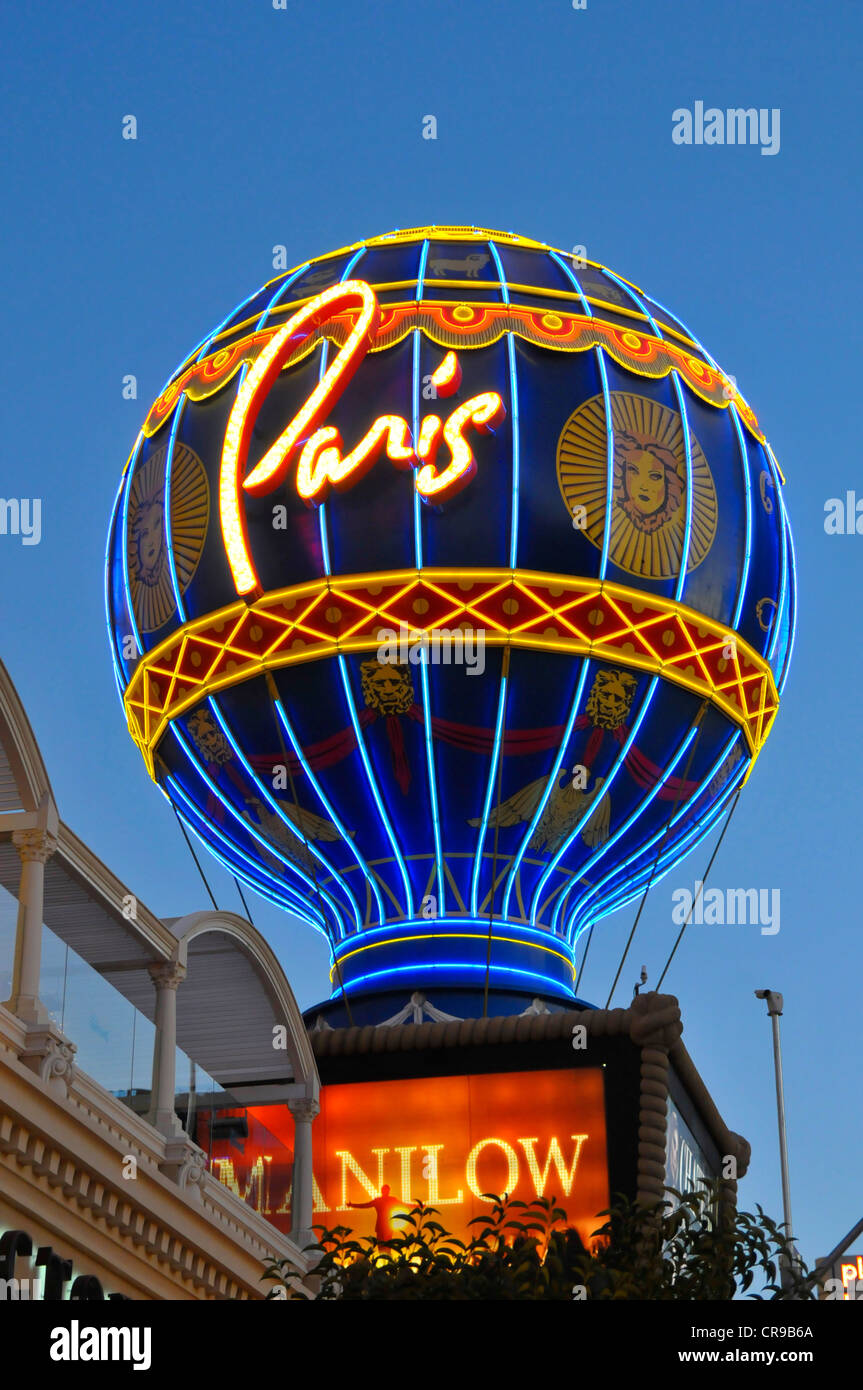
(321, 463)
(444, 1141)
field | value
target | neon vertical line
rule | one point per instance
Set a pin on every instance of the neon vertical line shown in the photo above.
(747, 557)
(277, 808)
(783, 541)
(322, 507)
(513, 393)
(573, 279)
(358, 734)
(631, 889)
(665, 830)
(597, 854)
(552, 783)
(194, 817)
(232, 856)
(687, 444)
(585, 816)
(166, 509)
(255, 834)
(792, 595)
(489, 793)
(527, 837)
(349, 698)
(636, 299)
(609, 481)
(418, 560)
(328, 807)
(110, 547)
(124, 532)
(676, 848)
(467, 966)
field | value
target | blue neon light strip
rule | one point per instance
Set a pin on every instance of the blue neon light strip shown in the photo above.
(257, 781)
(192, 817)
(782, 529)
(124, 532)
(648, 698)
(527, 837)
(166, 509)
(792, 600)
(599, 852)
(609, 481)
(676, 849)
(504, 971)
(573, 279)
(349, 698)
(603, 570)
(435, 810)
(588, 812)
(664, 832)
(678, 389)
(691, 840)
(424, 681)
(252, 832)
(119, 675)
(331, 812)
(513, 395)
(361, 748)
(486, 808)
(513, 560)
(513, 552)
(397, 930)
(261, 786)
(687, 444)
(668, 859)
(633, 295)
(234, 860)
(552, 783)
(747, 557)
(634, 815)
(203, 345)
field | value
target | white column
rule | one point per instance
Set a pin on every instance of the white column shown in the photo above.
(35, 848)
(167, 976)
(304, 1112)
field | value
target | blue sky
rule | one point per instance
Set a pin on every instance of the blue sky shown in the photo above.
(303, 126)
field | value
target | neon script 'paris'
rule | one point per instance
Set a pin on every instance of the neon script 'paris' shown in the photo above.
(321, 464)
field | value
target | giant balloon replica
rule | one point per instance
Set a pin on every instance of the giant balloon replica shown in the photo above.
(451, 594)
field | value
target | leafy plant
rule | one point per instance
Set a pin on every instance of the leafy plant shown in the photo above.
(525, 1250)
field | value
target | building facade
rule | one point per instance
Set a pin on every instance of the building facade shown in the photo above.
(103, 1190)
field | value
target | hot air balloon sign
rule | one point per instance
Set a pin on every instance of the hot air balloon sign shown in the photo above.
(382, 475)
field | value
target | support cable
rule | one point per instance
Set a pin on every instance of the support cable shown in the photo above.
(194, 856)
(685, 778)
(703, 880)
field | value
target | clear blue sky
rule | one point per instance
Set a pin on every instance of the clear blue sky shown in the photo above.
(303, 126)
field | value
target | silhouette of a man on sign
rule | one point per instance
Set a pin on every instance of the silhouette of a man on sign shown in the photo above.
(384, 1207)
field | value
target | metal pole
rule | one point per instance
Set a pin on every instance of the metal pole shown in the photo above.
(775, 1004)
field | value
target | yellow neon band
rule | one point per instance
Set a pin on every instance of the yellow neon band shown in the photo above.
(564, 614)
(448, 936)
